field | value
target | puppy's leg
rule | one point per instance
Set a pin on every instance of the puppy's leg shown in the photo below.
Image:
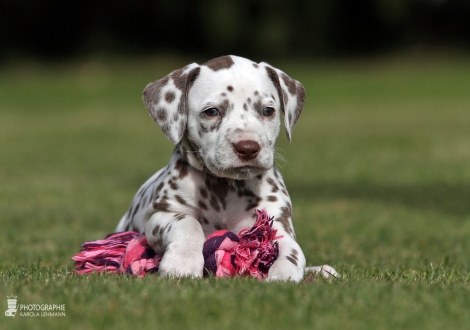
(290, 263)
(180, 238)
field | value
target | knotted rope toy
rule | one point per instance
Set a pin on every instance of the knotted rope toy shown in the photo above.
(250, 253)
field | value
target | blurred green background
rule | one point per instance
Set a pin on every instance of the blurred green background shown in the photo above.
(54, 29)
(378, 170)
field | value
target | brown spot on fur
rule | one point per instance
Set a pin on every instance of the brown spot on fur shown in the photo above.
(192, 76)
(230, 88)
(293, 257)
(275, 173)
(160, 206)
(160, 186)
(284, 219)
(142, 191)
(258, 105)
(214, 127)
(255, 65)
(170, 96)
(184, 152)
(217, 189)
(214, 203)
(285, 97)
(181, 109)
(182, 167)
(137, 207)
(161, 114)
(273, 184)
(179, 79)
(290, 83)
(202, 205)
(272, 74)
(166, 128)
(272, 198)
(292, 260)
(179, 216)
(252, 202)
(180, 199)
(203, 192)
(186, 83)
(219, 63)
(203, 128)
(155, 230)
(241, 192)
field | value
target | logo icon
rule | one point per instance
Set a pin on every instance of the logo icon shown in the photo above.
(12, 302)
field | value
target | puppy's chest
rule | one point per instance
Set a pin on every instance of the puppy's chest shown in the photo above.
(216, 203)
(231, 210)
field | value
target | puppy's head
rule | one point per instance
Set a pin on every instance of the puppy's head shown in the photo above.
(225, 114)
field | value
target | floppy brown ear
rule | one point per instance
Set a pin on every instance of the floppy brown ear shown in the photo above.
(292, 96)
(167, 101)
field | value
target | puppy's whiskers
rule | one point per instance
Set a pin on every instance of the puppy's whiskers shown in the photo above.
(279, 158)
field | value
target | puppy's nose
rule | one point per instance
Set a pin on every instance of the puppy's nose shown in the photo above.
(247, 149)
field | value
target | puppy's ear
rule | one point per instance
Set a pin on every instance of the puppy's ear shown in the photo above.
(292, 96)
(167, 100)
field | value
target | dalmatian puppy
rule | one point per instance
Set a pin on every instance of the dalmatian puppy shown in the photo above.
(224, 118)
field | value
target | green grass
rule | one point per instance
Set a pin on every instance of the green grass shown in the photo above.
(378, 171)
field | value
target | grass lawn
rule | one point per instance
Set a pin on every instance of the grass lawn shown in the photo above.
(378, 171)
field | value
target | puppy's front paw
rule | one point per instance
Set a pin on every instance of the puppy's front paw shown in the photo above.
(183, 264)
(285, 270)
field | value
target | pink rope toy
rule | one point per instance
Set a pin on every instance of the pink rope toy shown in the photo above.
(250, 253)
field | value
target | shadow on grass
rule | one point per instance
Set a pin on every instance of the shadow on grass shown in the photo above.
(438, 197)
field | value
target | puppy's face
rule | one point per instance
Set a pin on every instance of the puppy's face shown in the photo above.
(225, 114)
(234, 119)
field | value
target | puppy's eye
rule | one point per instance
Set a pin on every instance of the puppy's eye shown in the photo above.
(212, 112)
(268, 112)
